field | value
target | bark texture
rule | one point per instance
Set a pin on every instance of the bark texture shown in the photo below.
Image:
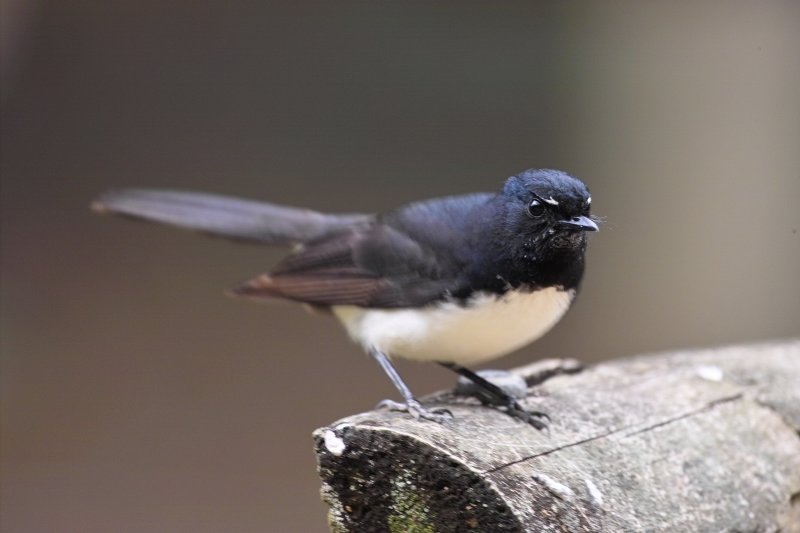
(687, 441)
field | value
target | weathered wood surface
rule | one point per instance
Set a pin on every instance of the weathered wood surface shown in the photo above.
(689, 441)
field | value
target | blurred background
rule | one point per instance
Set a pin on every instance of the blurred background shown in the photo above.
(136, 397)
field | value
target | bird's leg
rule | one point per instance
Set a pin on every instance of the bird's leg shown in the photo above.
(502, 398)
(411, 404)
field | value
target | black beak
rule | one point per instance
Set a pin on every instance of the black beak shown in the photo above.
(578, 224)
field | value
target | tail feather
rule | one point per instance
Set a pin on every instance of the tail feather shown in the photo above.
(224, 216)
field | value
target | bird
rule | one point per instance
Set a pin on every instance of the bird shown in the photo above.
(457, 280)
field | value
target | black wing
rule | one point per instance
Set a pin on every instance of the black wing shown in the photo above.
(407, 258)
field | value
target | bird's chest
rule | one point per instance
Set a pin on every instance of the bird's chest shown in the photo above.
(488, 327)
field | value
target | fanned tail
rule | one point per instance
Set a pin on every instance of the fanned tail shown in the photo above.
(224, 216)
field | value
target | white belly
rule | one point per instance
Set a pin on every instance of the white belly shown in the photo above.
(489, 327)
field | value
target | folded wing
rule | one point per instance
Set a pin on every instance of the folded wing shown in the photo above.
(369, 266)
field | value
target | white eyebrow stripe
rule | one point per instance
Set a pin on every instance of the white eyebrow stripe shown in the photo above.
(550, 201)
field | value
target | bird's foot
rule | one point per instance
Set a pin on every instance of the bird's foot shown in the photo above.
(537, 419)
(415, 409)
(499, 389)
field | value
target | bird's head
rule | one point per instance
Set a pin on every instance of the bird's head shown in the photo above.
(547, 212)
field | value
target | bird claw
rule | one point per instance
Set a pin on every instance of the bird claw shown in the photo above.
(415, 409)
(537, 419)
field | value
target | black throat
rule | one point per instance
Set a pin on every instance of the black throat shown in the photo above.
(503, 260)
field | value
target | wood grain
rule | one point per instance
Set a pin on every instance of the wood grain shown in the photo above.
(687, 441)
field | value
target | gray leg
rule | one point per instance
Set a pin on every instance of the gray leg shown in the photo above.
(411, 404)
(500, 397)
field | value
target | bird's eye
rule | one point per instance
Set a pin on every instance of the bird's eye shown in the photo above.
(536, 208)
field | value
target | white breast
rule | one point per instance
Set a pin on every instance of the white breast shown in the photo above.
(489, 327)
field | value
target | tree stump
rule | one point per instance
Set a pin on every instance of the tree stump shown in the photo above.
(688, 441)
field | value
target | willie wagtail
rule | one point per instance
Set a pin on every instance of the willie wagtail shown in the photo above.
(457, 280)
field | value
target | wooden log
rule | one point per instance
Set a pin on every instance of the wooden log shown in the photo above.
(689, 441)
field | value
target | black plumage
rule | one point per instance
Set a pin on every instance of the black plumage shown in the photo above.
(437, 249)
